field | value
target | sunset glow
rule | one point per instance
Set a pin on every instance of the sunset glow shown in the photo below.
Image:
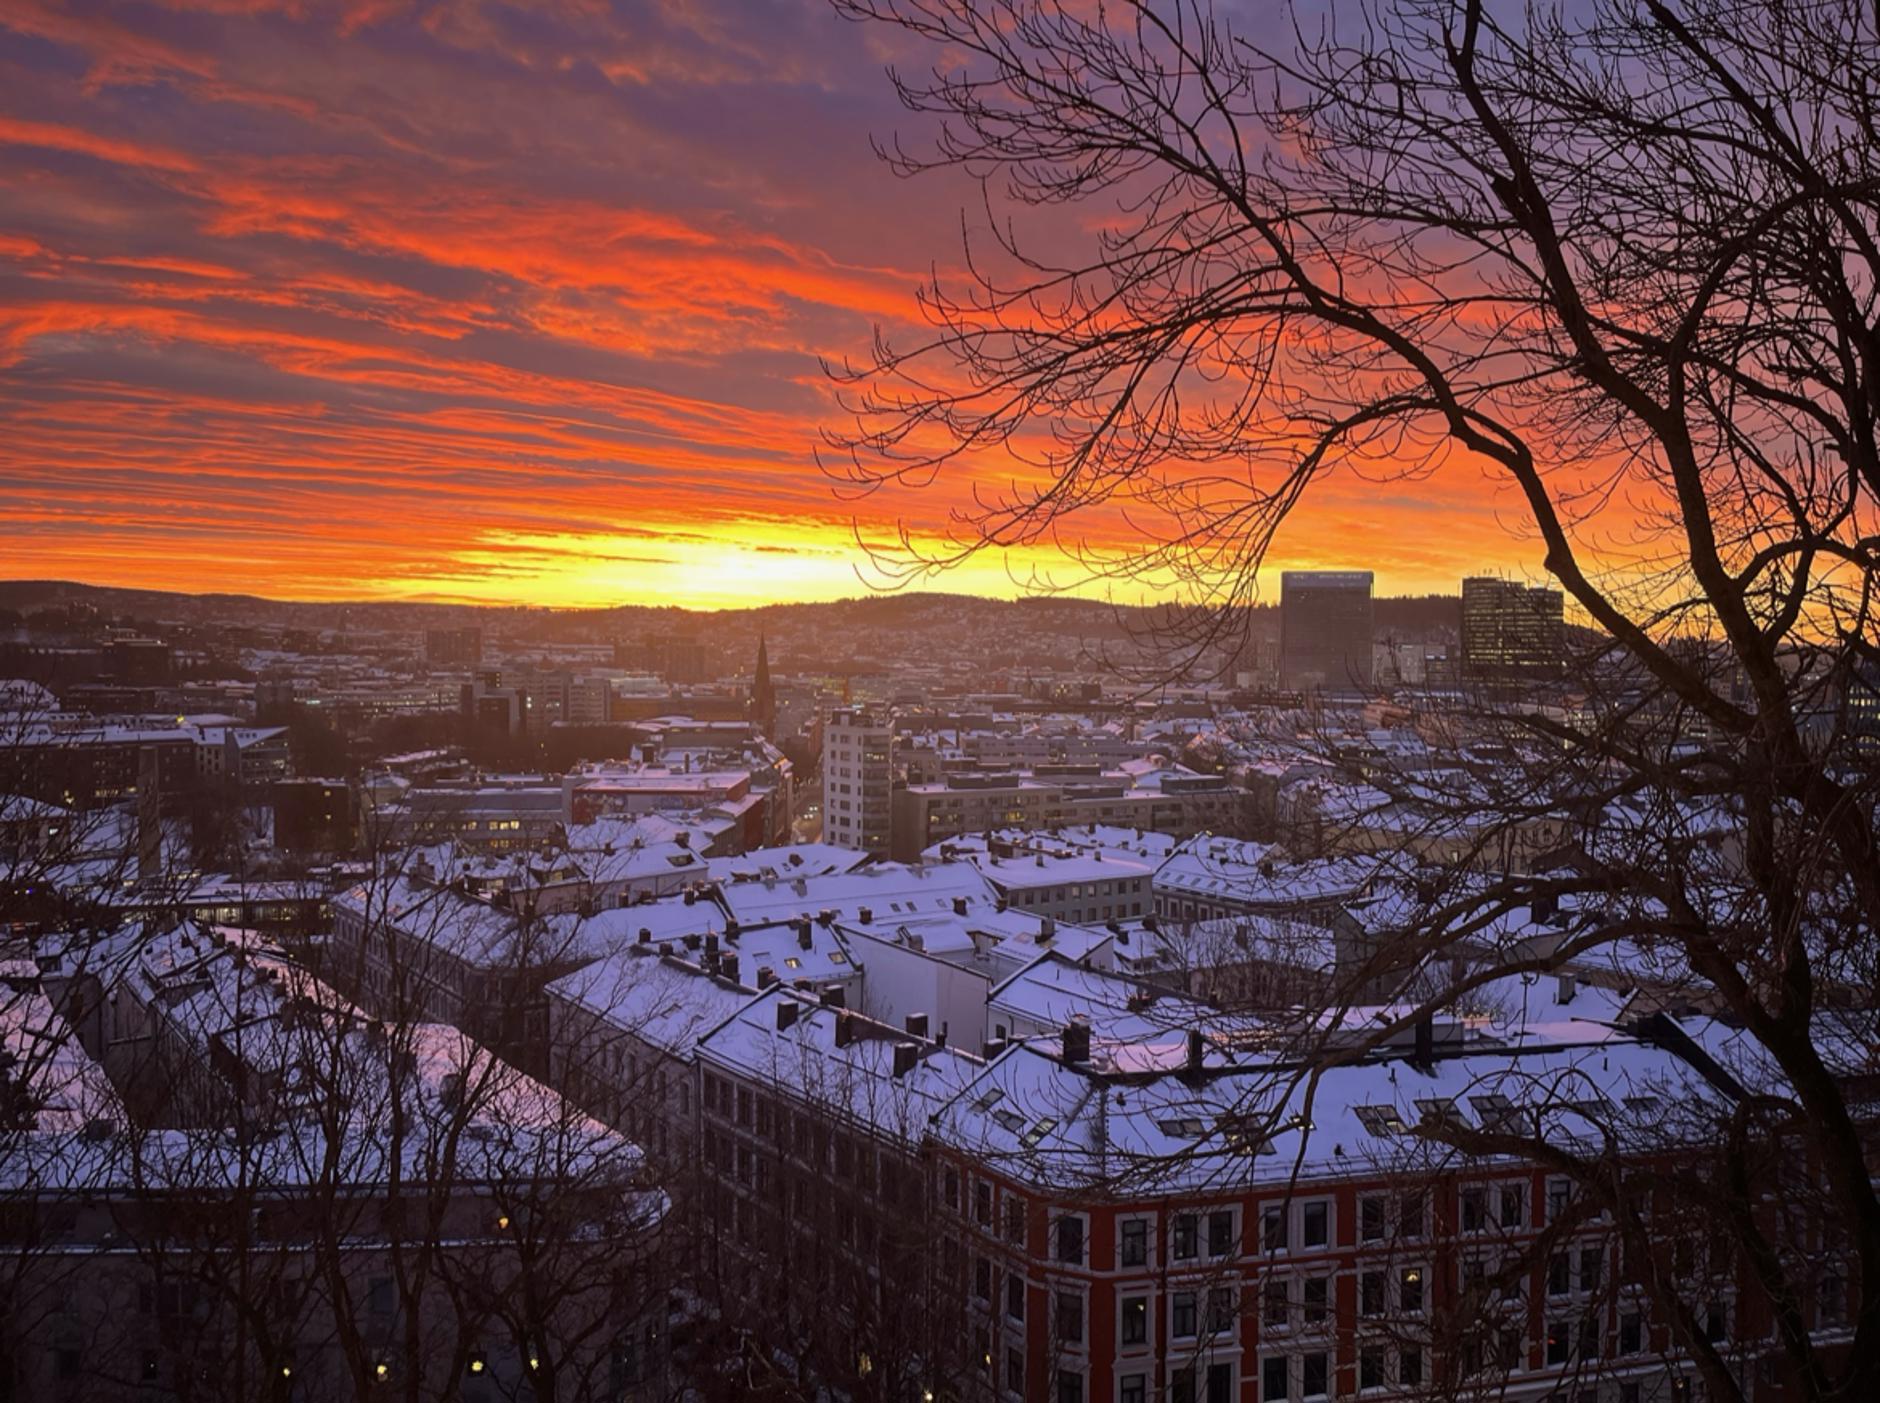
(476, 302)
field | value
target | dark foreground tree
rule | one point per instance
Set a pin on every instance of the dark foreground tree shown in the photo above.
(1621, 256)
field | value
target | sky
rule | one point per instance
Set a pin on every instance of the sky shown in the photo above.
(488, 302)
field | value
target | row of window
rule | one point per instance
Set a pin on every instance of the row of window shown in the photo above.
(1304, 1225)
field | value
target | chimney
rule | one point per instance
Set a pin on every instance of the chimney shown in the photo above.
(1149, 924)
(665, 947)
(824, 918)
(766, 976)
(1566, 984)
(711, 944)
(646, 935)
(917, 1024)
(803, 934)
(731, 927)
(683, 838)
(728, 967)
(1077, 1041)
(940, 1038)
(1047, 930)
(691, 897)
(906, 1055)
(1197, 1052)
(959, 906)
(845, 1028)
(1424, 1055)
(833, 997)
(994, 1046)
(865, 914)
(786, 1014)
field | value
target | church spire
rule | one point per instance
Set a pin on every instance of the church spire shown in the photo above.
(763, 690)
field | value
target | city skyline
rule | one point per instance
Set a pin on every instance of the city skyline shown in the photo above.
(502, 310)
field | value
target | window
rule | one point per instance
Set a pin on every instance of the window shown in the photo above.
(1070, 1317)
(1371, 1366)
(982, 1278)
(1631, 1332)
(1371, 1293)
(1314, 1375)
(1275, 1303)
(1592, 1267)
(1221, 1233)
(1015, 1371)
(1717, 1323)
(1070, 1386)
(982, 1204)
(1014, 1220)
(1474, 1209)
(1220, 1310)
(1559, 1198)
(1558, 1347)
(1410, 1215)
(1186, 1229)
(1371, 1218)
(1559, 1275)
(1317, 1293)
(1410, 1291)
(1135, 1320)
(1070, 1240)
(1182, 1315)
(1273, 1234)
(1134, 1248)
(1315, 1224)
(1513, 1205)
(1831, 1299)
(1410, 1366)
(1273, 1373)
(1181, 1386)
(1220, 1383)
(1134, 1389)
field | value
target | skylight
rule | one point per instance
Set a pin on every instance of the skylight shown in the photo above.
(1439, 1109)
(1381, 1120)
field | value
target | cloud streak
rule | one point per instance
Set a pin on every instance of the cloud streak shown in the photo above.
(468, 299)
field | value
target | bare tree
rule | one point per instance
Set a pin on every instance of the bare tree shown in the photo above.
(1622, 257)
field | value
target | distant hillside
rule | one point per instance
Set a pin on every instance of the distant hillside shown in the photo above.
(853, 634)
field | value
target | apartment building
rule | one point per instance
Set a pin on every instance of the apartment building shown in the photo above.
(858, 780)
